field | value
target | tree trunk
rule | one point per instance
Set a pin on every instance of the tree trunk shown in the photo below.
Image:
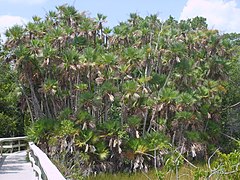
(28, 104)
(145, 122)
(36, 107)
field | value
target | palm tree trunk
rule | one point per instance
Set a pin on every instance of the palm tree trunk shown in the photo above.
(155, 158)
(123, 114)
(159, 65)
(167, 79)
(145, 122)
(47, 106)
(28, 104)
(36, 106)
(89, 78)
(71, 93)
(54, 108)
(151, 121)
(77, 93)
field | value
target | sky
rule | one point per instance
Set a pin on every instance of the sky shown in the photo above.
(223, 15)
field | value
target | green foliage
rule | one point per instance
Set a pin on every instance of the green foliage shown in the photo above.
(108, 87)
(227, 165)
(151, 142)
(174, 162)
(16, 32)
(168, 95)
(213, 128)
(186, 98)
(42, 126)
(8, 125)
(220, 166)
(130, 86)
(158, 79)
(157, 140)
(194, 136)
(138, 146)
(110, 126)
(133, 121)
(104, 95)
(102, 150)
(184, 115)
(64, 114)
(86, 97)
(199, 173)
(66, 128)
(83, 116)
(11, 118)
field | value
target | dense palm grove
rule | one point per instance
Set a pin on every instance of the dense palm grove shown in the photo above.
(143, 94)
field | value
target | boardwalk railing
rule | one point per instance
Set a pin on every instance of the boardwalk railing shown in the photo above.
(44, 168)
(12, 143)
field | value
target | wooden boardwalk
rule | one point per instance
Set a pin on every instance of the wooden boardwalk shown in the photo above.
(15, 167)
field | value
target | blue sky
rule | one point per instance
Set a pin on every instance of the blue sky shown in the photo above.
(115, 10)
(223, 15)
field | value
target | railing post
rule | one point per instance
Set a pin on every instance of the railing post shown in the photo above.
(1, 148)
(11, 145)
(19, 145)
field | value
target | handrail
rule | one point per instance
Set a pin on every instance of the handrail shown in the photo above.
(13, 138)
(11, 145)
(48, 170)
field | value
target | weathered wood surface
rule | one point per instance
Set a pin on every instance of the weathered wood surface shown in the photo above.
(15, 166)
(45, 168)
(12, 143)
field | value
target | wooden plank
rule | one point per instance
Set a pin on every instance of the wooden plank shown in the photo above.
(13, 146)
(13, 139)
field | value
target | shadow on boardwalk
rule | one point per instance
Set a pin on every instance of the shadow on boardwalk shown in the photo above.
(15, 166)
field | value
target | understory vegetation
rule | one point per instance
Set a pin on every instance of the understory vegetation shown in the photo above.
(145, 94)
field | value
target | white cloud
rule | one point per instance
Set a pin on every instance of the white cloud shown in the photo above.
(8, 21)
(221, 14)
(24, 1)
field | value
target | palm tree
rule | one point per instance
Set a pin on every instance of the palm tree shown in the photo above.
(141, 81)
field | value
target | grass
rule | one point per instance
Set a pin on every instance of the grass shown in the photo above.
(185, 173)
(123, 176)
